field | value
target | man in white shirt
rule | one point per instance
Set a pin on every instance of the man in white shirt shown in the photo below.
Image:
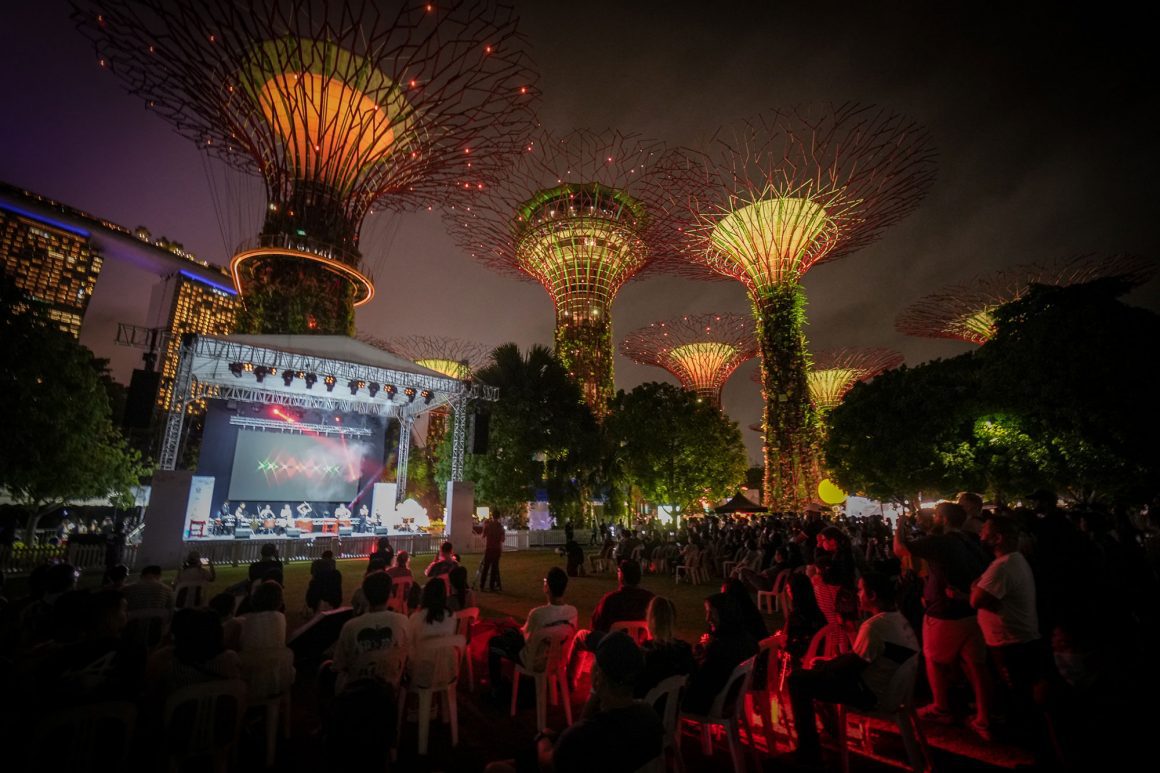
(509, 644)
(1005, 597)
(860, 678)
(373, 645)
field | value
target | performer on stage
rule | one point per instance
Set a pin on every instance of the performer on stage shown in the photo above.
(283, 520)
(362, 518)
(341, 511)
(305, 510)
(266, 516)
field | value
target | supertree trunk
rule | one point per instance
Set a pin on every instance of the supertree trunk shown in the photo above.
(788, 417)
(297, 297)
(584, 347)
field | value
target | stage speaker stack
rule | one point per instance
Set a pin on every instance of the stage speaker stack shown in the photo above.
(243, 532)
(345, 531)
(382, 530)
(293, 533)
(480, 432)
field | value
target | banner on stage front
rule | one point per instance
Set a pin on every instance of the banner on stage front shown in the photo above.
(200, 506)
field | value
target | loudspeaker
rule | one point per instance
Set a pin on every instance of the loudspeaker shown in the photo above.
(382, 530)
(345, 531)
(141, 399)
(293, 533)
(480, 433)
(242, 532)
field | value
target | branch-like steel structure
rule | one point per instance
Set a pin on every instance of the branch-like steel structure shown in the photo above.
(836, 371)
(340, 106)
(581, 214)
(701, 351)
(966, 311)
(781, 194)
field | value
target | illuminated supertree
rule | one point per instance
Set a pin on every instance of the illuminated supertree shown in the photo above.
(452, 357)
(836, 371)
(341, 107)
(785, 192)
(966, 312)
(701, 351)
(581, 214)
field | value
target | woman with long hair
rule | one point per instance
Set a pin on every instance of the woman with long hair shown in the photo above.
(664, 654)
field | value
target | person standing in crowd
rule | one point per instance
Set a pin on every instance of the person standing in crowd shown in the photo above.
(973, 504)
(493, 539)
(950, 627)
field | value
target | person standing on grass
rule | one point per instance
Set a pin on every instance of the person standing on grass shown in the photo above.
(493, 539)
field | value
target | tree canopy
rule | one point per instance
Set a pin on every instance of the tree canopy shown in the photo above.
(677, 448)
(1055, 400)
(60, 440)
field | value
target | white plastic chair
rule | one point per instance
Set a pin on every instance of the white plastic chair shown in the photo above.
(831, 640)
(203, 720)
(466, 618)
(897, 707)
(545, 659)
(147, 626)
(767, 601)
(691, 568)
(386, 665)
(766, 691)
(669, 692)
(728, 711)
(269, 676)
(434, 669)
(77, 737)
(190, 594)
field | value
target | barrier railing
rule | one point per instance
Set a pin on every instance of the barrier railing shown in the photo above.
(22, 560)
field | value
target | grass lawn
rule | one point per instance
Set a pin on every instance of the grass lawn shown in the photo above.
(522, 571)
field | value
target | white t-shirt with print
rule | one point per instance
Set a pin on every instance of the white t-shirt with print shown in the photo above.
(1010, 580)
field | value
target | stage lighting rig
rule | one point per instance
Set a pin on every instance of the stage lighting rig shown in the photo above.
(287, 377)
(330, 381)
(311, 379)
(390, 391)
(261, 372)
(373, 389)
(410, 392)
(355, 386)
(427, 395)
(237, 369)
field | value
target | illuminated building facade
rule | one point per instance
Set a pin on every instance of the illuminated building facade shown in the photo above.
(53, 263)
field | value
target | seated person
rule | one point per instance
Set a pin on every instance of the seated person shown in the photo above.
(264, 624)
(462, 596)
(325, 584)
(614, 732)
(402, 567)
(269, 567)
(509, 644)
(383, 555)
(444, 563)
(369, 635)
(727, 644)
(664, 654)
(858, 678)
(627, 603)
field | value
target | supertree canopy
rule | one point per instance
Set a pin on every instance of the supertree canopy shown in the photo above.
(702, 351)
(836, 371)
(966, 312)
(784, 192)
(581, 214)
(340, 106)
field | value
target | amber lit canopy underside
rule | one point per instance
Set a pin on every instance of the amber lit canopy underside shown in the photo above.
(836, 371)
(966, 312)
(335, 114)
(702, 351)
(452, 357)
(362, 287)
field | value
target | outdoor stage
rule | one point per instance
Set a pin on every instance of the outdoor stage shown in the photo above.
(295, 445)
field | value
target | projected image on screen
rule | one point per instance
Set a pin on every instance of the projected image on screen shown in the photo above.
(275, 466)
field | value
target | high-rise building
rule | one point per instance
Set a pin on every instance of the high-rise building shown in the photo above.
(54, 263)
(183, 304)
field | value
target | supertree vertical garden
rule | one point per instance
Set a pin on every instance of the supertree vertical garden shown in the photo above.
(783, 193)
(836, 371)
(702, 351)
(340, 107)
(966, 312)
(581, 214)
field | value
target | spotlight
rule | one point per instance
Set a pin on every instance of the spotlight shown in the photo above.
(311, 379)
(330, 382)
(354, 385)
(390, 391)
(260, 373)
(237, 369)
(373, 389)
(428, 396)
(287, 377)
(410, 393)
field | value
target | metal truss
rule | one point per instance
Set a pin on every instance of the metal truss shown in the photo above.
(406, 423)
(274, 425)
(458, 438)
(171, 439)
(324, 401)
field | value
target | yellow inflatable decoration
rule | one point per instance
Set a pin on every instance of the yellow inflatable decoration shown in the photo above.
(829, 493)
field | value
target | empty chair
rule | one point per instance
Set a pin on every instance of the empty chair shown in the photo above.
(466, 619)
(665, 699)
(90, 737)
(728, 711)
(192, 593)
(434, 669)
(896, 706)
(545, 659)
(203, 720)
(269, 676)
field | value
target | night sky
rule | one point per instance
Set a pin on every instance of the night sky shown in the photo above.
(1039, 115)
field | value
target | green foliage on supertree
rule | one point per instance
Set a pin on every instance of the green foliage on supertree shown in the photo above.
(788, 417)
(297, 298)
(677, 448)
(584, 348)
